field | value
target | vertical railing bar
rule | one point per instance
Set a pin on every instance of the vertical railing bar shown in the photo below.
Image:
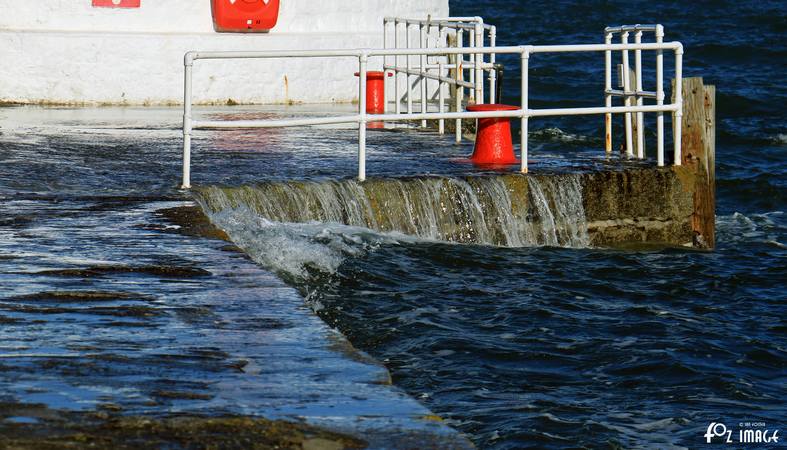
(460, 90)
(397, 77)
(624, 39)
(640, 100)
(523, 151)
(362, 62)
(660, 97)
(479, 61)
(608, 96)
(386, 83)
(441, 98)
(471, 43)
(422, 80)
(678, 115)
(442, 60)
(409, 67)
(188, 64)
(493, 72)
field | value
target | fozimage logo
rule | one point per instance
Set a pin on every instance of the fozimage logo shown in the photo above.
(747, 433)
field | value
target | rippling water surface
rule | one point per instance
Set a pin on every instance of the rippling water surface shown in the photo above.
(534, 347)
(556, 348)
(553, 348)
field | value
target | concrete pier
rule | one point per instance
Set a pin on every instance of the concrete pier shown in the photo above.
(83, 201)
(621, 206)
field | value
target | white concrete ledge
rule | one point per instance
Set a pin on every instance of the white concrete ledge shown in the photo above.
(79, 68)
(67, 52)
(159, 16)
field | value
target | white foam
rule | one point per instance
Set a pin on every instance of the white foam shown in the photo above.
(767, 228)
(556, 134)
(294, 250)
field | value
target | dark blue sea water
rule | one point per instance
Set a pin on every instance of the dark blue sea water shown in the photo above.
(557, 348)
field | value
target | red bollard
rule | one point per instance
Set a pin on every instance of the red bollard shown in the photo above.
(375, 95)
(493, 137)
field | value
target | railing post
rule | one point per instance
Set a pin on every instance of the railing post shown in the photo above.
(442, 60)
(422, 80)
(440, 98)
(492, 61)
(471, 74)
(660, 97)
(188, 63)
(525, 60)
(386, 91)
(624, 39)
(607, 94)
(640, 100)
(678, 115)
(460, 90)
(409, 86)
(362, 62)
(397, 78)
(479, 61)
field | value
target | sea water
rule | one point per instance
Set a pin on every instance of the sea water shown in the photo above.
(548, 347)
(538, 345)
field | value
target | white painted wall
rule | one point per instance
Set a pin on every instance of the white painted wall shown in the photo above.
(194, 16)
(66, 51)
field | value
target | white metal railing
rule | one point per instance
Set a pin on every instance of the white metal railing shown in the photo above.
(523, 113)
(439, 29)
(634, 94)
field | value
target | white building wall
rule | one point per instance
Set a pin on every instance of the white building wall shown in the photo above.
(68, 52)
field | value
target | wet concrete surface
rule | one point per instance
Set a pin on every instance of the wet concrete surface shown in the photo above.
(108, 306)
(112, 310)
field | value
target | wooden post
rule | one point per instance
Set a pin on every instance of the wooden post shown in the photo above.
(699, 152)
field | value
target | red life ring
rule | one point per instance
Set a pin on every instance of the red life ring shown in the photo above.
(245, 15)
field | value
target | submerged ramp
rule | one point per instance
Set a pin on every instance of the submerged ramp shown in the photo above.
(571, 210)
(114, 315)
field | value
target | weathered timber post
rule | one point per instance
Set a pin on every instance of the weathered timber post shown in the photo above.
(699, 155)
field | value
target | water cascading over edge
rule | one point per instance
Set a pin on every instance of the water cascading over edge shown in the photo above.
(506, 210)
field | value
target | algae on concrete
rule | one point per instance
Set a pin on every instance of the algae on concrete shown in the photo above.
(608, 208)
(35, 427)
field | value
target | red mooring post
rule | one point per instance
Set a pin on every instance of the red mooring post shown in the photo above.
(375, 95)
(493, 137)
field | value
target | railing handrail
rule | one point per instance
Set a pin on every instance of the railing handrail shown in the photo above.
(442, 21)
(653, 28)
(430, 51)
(523, 113)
